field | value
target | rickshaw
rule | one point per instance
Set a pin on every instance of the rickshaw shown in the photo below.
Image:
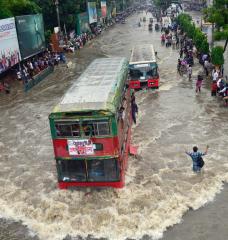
(150, 27)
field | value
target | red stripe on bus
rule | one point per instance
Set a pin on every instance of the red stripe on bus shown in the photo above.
(110, 147)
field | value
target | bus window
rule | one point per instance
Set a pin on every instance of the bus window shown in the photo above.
(96, 128)
(72, 170)
(102, 128)
(67, 129)
(102, 170)
(88, 128)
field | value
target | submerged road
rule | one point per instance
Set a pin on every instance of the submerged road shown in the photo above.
(160, 185)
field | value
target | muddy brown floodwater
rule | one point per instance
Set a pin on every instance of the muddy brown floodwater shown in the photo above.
(160, 186)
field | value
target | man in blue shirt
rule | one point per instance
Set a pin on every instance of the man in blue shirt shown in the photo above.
(195, 155)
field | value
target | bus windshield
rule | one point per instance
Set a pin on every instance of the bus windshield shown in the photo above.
(95, 170)
(145, 73)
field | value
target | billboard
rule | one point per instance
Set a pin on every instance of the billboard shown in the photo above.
(114, 12)
(82, 23)
(9, 49)
(103, 9)
(92, 11)
(30, 30)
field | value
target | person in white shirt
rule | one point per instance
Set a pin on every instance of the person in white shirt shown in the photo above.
(189, 70)
(215, 75)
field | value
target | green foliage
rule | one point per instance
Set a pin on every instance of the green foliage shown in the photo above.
(47, 35)
(217, 55)
(204, 46)
(199, 38)
(10, 8)
(218, 14)
(4, 10)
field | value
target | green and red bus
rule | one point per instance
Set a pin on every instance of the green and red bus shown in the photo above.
(91, 127)
(143, 68)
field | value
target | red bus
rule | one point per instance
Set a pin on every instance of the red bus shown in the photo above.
(91, 127)
(143, 69)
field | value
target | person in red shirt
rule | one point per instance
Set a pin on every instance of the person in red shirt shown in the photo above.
(214, 88)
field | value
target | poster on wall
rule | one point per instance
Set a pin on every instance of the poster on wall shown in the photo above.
(9, 48)
(30, 30)
(114, 12)
(103, 9)
(92, 11)
(80, 147)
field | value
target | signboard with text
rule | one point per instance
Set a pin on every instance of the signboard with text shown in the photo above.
(103, 9)
(9, 48)
(80, 147)
(92, 11)
(30, 29)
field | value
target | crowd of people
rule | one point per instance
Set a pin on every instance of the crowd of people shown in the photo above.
(175, 37)
(76, 42)
(30, 68)
(33, 66)
(219, 84)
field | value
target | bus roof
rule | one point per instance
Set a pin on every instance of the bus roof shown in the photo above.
(98, 88)
(142, 54)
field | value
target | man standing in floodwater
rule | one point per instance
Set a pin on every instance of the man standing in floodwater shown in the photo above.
(196, 158)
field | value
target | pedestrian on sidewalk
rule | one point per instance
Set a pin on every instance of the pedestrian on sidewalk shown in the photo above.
(189, 70)
(214, 88)
(199, 83)
(197, 161)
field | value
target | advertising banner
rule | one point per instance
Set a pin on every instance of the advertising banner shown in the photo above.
(82, 23)
(114, 12)
(9, 49)
(30, 29)
(103, 9)
(92, 11)
(80, 147)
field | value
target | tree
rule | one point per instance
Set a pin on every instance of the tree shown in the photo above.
(4, 10)
(218, 15)
(217, 56)
(10, 8)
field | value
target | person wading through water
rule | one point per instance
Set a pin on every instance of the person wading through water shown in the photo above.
(197, 158)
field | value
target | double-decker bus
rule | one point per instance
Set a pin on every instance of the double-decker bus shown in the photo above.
(143, 68)
(91, 127)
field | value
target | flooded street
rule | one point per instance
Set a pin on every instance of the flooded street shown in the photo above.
(160, 185)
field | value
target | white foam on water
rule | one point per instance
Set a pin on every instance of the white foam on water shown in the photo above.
(148, 206)
(165, 87)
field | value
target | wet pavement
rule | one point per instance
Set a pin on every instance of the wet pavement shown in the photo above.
(160, 186)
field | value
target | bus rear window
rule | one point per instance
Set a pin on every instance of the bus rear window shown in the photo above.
(71, 170)
(102, 170)
(88, 170)
(64, 129)
(96, 128)
(85, 128)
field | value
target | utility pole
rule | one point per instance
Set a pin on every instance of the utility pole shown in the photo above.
(57, 12)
